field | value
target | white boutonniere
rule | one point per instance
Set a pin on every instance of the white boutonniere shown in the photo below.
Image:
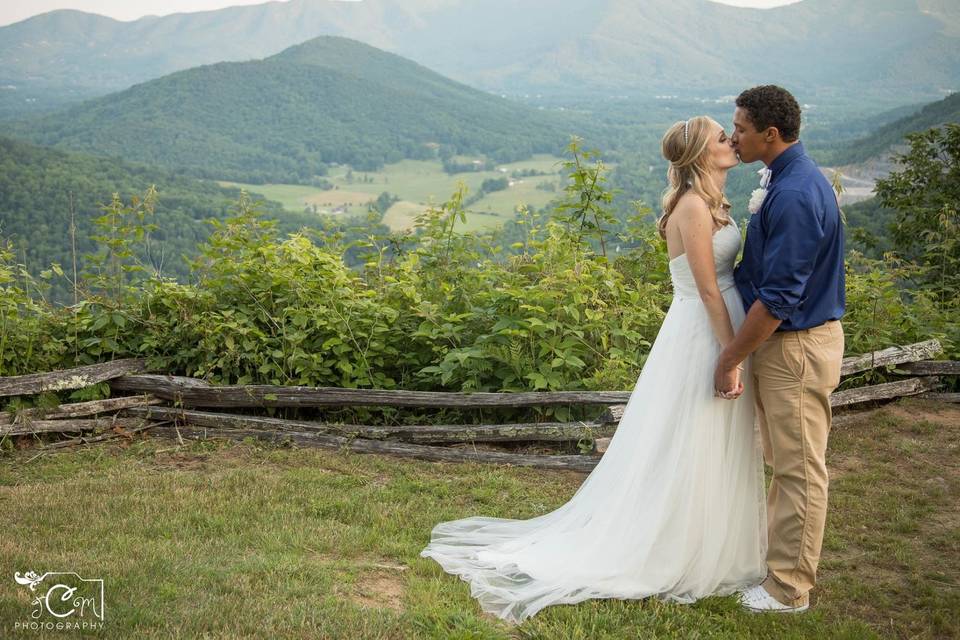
(758, 195)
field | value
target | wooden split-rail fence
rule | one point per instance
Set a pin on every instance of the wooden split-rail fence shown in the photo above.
(180, 407)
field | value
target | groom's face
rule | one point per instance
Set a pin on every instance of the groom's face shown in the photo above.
(747, 141)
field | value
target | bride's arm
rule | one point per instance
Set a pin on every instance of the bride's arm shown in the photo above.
(695, 225)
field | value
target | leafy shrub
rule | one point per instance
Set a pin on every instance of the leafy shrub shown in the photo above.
(432, 309)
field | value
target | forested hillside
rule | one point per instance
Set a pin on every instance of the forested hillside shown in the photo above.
(285, 118)
(879, 143)
(38, 188)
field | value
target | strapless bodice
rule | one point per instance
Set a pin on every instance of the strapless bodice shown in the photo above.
(726, 246)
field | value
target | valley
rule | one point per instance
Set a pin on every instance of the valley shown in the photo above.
(420, 183)
(329, 128)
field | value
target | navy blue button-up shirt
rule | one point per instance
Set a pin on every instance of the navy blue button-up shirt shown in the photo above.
(793, 255)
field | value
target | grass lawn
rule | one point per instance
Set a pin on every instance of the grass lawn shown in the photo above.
(418, 184)
(236, 540)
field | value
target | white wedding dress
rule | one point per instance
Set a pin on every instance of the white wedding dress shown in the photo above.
(675, 508)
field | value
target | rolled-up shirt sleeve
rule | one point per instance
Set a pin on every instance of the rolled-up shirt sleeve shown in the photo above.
(792, 238)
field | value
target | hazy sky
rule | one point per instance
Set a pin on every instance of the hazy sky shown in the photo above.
(16, 10)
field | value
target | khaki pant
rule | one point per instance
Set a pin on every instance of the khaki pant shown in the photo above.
(794, 374)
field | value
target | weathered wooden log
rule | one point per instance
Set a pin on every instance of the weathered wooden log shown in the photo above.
(418, 451)
(75, 378)
(932, 368)
(547, 431)
(910, 387)
(77, 409)
(892, 355)
(940, 397)
(67, 426)
(110, 435)
(190, 392)
(901, 388)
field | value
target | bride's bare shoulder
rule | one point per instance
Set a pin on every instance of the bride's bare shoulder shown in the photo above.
(691, 207)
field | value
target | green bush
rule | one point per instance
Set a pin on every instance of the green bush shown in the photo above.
(434, 309)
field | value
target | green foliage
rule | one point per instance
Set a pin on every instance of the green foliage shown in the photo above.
(277, 312)
(122, 227)
(868, 227)
(880, 313)
(24, 323)
(44, 191)
(383, 202)
(452, 166)
(438, 308)
(586, 206)
(435, 308)
(544, 318)
(925, 193)
(494, 184)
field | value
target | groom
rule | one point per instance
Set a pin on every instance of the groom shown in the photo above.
(791, 279)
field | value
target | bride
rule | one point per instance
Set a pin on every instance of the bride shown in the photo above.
(675, 508)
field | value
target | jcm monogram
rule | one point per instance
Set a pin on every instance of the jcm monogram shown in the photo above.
(67, 595)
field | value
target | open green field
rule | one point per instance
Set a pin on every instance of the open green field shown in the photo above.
(238, 540)
(419, 184)
(296, 197)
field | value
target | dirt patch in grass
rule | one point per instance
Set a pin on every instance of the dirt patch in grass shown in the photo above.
(379, 589)
(919, 410)
(841, 466)
(380, 583)
(183, 460)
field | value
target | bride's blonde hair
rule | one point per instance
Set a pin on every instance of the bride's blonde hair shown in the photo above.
(684, 145)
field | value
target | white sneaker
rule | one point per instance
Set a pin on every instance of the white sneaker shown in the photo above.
(757, 600)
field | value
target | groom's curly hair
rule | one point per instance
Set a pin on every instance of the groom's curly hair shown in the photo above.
(772, 106)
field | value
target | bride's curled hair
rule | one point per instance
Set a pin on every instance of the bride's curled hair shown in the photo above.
(690, 169)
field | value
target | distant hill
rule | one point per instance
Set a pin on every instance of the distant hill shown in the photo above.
(879, 144)
(863, 159)
(283, 119)
(829, 48)
(867, 159)
(36, 186)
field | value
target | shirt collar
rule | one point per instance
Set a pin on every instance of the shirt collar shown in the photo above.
(785, 158)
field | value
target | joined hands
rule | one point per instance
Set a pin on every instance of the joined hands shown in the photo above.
(727, 383)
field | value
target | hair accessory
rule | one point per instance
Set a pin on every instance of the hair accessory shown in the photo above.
(686, 127)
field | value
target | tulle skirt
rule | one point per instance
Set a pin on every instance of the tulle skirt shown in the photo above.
(675, 509)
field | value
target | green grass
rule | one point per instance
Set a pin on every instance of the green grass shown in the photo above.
(296, 197)
(418, 184)
(232, 540)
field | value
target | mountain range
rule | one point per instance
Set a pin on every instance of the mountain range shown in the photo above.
(819, 47)
(890, 137)
(864, 160)
(285, 118)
